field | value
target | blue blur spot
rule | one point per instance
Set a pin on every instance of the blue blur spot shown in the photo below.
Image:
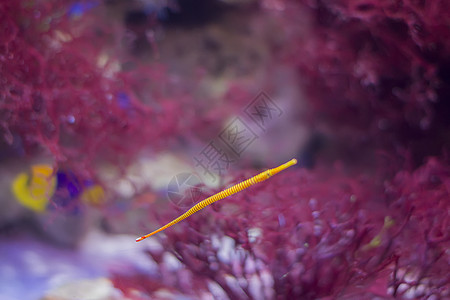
(123, 100)
(87, 183)
(74, 189)
(76, 10)
(161, 12)
(68, 182)
(281, 220)
(79, 8)
(68, 190)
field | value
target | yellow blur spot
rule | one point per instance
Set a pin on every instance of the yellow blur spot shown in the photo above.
(375, 242)
(35, 192)
(94, 195)
(388, 222)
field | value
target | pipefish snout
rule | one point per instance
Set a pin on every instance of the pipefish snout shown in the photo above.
(225, 193)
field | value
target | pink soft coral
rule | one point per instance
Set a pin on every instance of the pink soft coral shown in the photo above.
(305, 235)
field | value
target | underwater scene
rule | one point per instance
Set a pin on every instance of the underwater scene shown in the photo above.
(224, 149)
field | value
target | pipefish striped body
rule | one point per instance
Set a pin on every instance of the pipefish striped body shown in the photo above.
(225, 193)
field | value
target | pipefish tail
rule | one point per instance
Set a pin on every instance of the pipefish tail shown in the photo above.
(225, 193)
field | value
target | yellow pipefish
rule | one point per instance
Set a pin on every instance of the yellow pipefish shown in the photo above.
(225, 193)
(35, 191)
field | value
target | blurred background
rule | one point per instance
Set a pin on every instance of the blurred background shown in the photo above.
(116, 116)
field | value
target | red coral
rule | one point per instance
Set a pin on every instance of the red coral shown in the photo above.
(371, 69)
(425, 238)
(378, 69)
(305, 235)
(52, 92)
(68, 86)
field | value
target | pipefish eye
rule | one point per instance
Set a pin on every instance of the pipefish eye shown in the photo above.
(225, 193)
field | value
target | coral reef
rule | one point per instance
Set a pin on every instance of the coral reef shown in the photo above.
(309, 235)
(71, 88)
(375, 74)
(385, 64)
